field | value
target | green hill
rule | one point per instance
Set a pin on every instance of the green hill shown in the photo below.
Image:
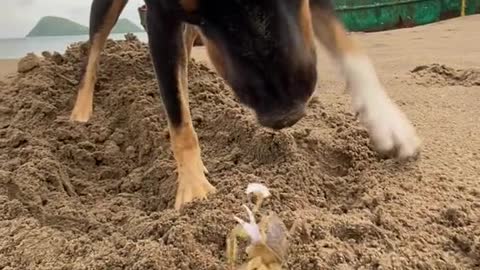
(126, 26)
(56, 26)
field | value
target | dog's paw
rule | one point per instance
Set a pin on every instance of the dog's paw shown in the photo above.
(81, 114)
(192, 185)
(82, 111)
(390, 131)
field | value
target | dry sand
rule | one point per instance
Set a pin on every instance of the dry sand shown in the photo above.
(99, 195)
(7, 67)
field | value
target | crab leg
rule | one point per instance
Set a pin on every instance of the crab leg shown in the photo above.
(251, 228)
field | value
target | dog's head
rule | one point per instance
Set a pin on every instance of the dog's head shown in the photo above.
(264, 50)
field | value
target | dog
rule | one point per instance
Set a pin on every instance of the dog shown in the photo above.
(265, 50)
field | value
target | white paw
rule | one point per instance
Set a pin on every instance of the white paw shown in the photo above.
(390, 130)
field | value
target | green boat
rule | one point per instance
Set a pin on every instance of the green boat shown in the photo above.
(378, 15)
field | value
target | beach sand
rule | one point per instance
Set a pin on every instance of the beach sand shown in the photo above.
(100, 195)
(7, 66)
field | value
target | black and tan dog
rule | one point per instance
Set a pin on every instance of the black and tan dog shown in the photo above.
(265, 50)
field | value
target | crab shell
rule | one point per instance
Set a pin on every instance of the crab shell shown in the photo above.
(274, 244)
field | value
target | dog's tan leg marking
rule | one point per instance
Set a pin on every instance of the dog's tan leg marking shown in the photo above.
(388, 127)
(192, 183)
(83, 108)
(190, 35)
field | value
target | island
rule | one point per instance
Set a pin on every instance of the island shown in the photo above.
(126, 26)
(57, 26)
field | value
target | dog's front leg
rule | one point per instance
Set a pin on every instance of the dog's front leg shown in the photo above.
(388, 127)
(169, 55)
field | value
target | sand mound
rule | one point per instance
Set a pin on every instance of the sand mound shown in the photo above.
(100, 195)
(442, 75)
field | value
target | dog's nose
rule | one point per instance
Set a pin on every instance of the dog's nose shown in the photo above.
(283, 120)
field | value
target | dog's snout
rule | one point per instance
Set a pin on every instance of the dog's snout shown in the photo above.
(282, 120)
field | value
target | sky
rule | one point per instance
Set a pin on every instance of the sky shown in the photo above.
(18, 17)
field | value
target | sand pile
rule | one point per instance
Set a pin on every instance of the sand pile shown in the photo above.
(443, 75)
(100, 195)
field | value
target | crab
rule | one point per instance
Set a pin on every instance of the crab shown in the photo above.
(268, 241)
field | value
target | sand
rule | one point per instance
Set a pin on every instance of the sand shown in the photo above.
(100, 195)
(7, 67)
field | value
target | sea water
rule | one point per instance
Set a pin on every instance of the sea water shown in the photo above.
(14, 48)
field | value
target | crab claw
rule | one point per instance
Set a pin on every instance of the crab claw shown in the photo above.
(251, 227)
(260, 191)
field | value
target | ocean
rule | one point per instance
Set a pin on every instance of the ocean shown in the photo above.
(18, 47)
